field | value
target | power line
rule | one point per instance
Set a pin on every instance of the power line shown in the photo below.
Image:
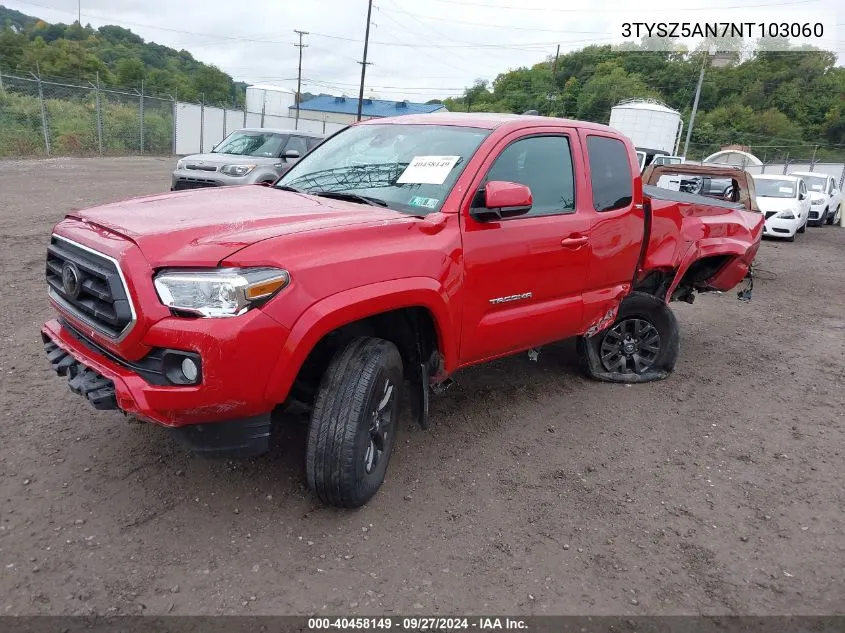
(616, 10)
(509, 27)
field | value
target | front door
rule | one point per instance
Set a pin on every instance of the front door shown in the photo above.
(524, 275)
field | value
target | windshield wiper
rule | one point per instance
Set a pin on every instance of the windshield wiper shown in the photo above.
(351, 197)
(288, 188)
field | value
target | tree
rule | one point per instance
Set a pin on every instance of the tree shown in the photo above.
(130, 72)
(610, 85)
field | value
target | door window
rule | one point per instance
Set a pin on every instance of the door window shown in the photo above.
(544, 165)
(297, 143)
(610, 173)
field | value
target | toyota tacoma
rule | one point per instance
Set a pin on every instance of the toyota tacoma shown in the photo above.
(395, 253)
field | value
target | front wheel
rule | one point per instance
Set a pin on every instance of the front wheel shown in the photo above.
(642, 344)
(354, 423)
(803, 228)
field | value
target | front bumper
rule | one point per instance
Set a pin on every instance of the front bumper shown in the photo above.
(778, 227)
(237, 357)
(816, 212)
(182, 179)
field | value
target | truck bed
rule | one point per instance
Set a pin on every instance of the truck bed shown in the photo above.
(653, 191)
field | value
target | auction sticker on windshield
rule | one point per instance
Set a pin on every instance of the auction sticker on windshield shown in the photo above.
(428, 170)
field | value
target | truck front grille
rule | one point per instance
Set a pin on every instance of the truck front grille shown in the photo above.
(88, 285)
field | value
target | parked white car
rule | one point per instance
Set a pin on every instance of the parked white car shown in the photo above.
(825, 197)
(785, 202)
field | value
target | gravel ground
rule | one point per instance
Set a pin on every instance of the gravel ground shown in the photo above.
(536, 491)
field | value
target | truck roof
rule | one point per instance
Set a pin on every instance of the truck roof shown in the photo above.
(489, 120)
(278, 130)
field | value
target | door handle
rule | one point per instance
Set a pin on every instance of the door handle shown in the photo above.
(574, 241)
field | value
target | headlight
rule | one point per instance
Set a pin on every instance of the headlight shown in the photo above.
(236, 170)
(219, 292)
(786, 215)
(180, 164)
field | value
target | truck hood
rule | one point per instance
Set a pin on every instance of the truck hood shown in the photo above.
(217, 160)
(776, 204)
(204, 226)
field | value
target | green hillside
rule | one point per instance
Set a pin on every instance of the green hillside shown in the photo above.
(119, 56)
(789, 102)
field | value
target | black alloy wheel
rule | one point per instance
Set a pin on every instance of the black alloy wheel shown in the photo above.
(631, 346)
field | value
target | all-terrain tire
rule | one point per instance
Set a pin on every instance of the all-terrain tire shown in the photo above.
(360, 391)
(654, 316)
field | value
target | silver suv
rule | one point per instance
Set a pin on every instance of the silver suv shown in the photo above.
(251, 155)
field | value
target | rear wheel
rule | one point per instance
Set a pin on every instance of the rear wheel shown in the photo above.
(354, 422)
(642, 344)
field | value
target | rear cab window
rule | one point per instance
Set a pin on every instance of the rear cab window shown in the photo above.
(610, 173)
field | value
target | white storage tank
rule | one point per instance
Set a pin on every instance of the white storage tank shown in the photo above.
(272, 100)
(649, 124)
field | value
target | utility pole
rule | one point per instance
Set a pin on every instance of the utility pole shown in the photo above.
(695, 105)
(554, 68)
(364, 63)
(300, 46)
(79, 12)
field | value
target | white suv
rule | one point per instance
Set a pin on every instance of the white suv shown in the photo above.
(825, 197)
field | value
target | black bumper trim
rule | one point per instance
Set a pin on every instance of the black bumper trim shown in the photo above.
(82, 380)
(246, 437)
(151, 368)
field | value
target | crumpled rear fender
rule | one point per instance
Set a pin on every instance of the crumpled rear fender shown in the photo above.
(740, 253)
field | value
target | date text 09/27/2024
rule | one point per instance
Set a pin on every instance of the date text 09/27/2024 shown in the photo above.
(418, 623)
(722, 29)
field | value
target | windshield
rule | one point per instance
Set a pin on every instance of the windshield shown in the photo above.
(242, 143)
(775, 188)
(815, 183)
(411, 168)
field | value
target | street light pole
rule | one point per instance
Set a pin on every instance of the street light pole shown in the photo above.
(694, 106)
(716, 59)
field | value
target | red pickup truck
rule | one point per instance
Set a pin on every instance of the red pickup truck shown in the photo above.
(395, 253)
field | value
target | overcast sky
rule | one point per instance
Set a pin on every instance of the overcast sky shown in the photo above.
(420, 49)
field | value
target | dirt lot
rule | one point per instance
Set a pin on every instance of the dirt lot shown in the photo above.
(720, 490)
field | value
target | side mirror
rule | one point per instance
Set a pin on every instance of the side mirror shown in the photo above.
(802, 196)
(290, 154)
(503, 200)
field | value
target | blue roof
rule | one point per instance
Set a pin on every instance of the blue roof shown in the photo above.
(371, 107)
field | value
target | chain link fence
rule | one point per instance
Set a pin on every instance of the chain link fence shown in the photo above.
(53, 117)
(46, 116)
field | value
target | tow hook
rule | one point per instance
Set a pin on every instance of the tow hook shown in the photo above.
(744, 294)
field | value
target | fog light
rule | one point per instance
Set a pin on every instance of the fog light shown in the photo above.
(190, 370)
